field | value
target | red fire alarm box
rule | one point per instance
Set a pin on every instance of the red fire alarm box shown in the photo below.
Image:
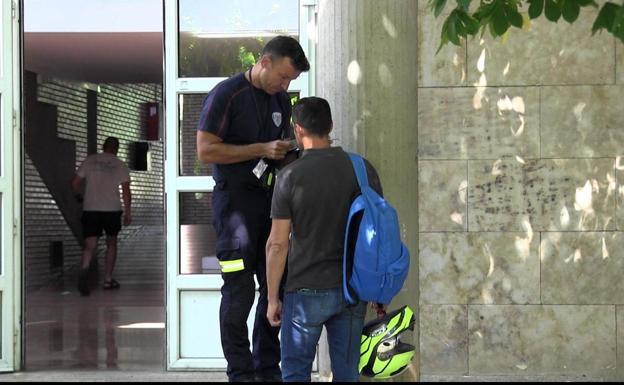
(152, 129)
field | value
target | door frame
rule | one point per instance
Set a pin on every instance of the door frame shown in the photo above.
(175, 184)
(10, 187)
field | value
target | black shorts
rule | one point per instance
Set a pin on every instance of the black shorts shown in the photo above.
(93, 222)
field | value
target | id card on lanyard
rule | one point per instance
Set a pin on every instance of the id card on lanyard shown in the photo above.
(262, 170)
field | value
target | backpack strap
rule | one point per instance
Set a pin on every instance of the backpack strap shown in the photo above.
(360, 169)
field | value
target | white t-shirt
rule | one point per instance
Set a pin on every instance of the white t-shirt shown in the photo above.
(104, 173)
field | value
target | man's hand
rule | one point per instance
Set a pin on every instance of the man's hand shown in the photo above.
(274, 313)
(276, 149)
(211, 149)
(379, 308)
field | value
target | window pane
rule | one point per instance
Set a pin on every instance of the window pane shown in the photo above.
(222, 38)
(190, 108)
(197, 236)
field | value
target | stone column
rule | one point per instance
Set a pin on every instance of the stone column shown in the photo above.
(367, 70)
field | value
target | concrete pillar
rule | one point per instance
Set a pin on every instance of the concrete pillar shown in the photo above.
(367, 69)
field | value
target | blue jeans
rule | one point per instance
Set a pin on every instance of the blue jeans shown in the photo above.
(304, 313)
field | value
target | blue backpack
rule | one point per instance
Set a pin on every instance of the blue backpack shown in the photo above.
(375, 261)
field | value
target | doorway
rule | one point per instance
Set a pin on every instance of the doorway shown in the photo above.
(92, 69)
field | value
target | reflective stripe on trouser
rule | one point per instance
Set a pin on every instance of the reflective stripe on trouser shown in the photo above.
(232, 266)
(242, 223)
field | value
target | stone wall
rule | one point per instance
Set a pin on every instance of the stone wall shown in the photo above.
(520, 202)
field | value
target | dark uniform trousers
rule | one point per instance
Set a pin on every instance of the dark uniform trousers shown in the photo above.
(241, 217)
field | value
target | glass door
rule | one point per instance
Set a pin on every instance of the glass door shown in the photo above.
(10, 251)
(205, 42)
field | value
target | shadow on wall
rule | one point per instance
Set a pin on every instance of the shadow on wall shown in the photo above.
(53, 157)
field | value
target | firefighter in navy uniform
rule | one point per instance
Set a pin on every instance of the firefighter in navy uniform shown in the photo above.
(243, 131)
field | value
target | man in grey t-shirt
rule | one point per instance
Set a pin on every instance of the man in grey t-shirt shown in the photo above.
(103, 173)
(310, 204)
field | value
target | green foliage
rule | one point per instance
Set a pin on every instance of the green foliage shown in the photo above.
(497, 16)
(246, 57)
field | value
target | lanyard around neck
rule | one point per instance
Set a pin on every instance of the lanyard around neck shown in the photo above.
(261, 122)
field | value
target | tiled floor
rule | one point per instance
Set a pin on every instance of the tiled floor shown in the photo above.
(109, 329)
(108, 334)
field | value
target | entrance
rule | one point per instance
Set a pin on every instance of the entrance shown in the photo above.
(91, 71)
(90, 83)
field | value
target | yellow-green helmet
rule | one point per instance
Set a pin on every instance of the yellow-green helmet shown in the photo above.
(382, 354)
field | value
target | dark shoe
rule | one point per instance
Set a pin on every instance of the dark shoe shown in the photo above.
(112, 284)
(243, 378)
(83, 282)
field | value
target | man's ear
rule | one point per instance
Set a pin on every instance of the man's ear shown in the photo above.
(298, 130)
(265, 61)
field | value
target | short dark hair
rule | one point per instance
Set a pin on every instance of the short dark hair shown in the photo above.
(111, 143)
(313, 114)
(286, 46)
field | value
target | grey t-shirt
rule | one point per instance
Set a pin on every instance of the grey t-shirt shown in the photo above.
(315, 193)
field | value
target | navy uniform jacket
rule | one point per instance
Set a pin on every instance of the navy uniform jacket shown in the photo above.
(241, 114)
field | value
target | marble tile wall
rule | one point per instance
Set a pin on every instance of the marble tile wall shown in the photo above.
(542, 340)
(581, 121)
(521, 202)
(446, 68)
(620, 342)
(582, 268)
(443, 188)
(479, 268)
(543, 194)
(444, 339)
(619, 64)
(544, 53)
(478, 123)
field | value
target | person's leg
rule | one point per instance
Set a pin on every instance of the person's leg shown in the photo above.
(266, 343)
(91, 231)
(237, 295)
(111, 257)
(90, 243)
(303, 314)
(88, 249)
(238, 290)
(344, 332)
(112, 227)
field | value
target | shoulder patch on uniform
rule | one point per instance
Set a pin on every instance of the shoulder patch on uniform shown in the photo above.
(277, 118)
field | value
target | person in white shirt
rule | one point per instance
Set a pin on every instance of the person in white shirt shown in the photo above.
(102, 174)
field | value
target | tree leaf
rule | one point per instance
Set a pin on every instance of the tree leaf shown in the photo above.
(437, 6)
(452, 30)
(470, 24)
(484, 12)
(605, 17)
(443, 39)
(491, 28)
(618, 24)
(499, 20)
(536, 8)
(552, 10)
(585, 3)
(570, 11)
(513, 16)
(464, 4)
